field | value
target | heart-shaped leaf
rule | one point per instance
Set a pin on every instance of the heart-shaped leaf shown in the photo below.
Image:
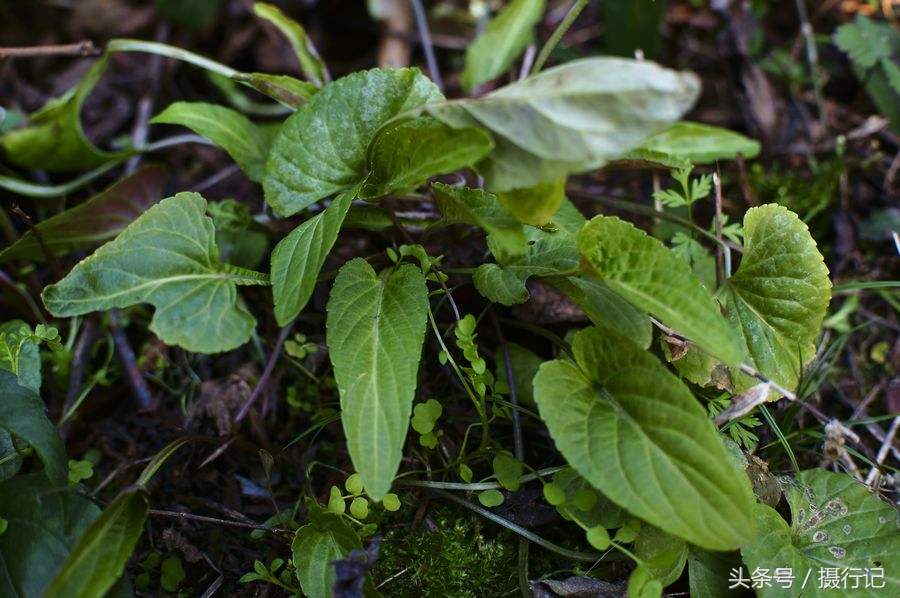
(321, 149)
(778, 297)
(635, 432)
(168, 258)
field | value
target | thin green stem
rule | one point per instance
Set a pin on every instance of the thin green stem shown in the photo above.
(558, 35)
(139, 45)
(479, 405)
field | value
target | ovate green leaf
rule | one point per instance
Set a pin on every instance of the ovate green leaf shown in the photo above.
(636, 433)
(97, 219)
(168, 258)
(778, 297)
(506, 236)
(298, 258)
(98, 558)
(22, 414)
(836, 524)
(321, 149)
(227, 128)
(505, 37)
(376, 327)
(698, 143)
(643, 271)
(54, 140)
(405, 154)
(572, 118)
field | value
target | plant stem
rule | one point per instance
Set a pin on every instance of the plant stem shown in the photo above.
(427, 46)
(558, 34)
(139, 45)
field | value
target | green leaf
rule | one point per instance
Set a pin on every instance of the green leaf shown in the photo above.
(534, 205)
(375, 331)
(605, 308)
(550, 252)
(20, 354)
(464, 205)
(286, 90)
(708, 572)
(598, 537)
(405, 154)
(643, 271)
(570, 119)
(310, 62)
(584, 504)
(697, 143)
(327, 538)
(507, 470)
(44, 525)
(247, 145)
(321, 149)
(490, 498)
(779, 295)
(97, 219)
(663, 554)
(503, 40)
(632, 26)
(298, 258)
(359, 508)
(836, 523)
(866, 41)
(22, 413)
(636, 433)
(168, 258)
(391, 502)
(98, 558)
(55, 141)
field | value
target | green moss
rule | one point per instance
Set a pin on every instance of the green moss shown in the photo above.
(461, 558)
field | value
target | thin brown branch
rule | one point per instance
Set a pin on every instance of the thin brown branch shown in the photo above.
(82, 48)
